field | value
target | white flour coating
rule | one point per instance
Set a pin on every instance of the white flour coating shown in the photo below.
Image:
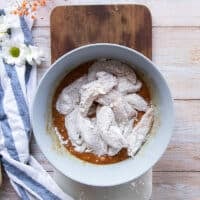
(100, 109)
(112, 151)
(70, 124)
(89, 133)
(91, 91)
(125, 86)
(123, 111)
(139, 132)
(70, 96)
(127, 128)
(109, 98)
(114, 99)
(109, 129)
(137, 102)
(60, 137)
(114, 67)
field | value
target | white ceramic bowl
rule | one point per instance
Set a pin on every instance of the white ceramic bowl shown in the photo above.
(112, 174)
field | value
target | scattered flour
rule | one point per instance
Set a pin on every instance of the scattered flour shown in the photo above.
(60, 137)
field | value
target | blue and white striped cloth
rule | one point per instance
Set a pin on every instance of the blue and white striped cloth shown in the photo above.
(17, 85)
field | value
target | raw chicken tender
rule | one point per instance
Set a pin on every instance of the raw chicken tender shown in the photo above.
(69, 96)
(137, 102)
(88, 131)
(91, 91)
(125, 86)
(108, 128)
(122, 110)
(70, 124)
(114, 67)
(137, 137)
(112, 151)
(109, 98)
(64, 104)
(127, 128)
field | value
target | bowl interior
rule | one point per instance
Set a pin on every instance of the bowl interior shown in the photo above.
(112, 174)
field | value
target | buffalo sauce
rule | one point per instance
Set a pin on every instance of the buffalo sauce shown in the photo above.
(59, 119)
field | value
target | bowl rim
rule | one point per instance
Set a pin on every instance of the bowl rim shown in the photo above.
(155, 159)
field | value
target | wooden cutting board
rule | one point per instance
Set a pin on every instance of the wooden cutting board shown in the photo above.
(73, 26)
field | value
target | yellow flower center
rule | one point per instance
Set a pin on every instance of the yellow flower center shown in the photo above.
(14, 52)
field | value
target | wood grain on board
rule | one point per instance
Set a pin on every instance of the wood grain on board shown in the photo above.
(74, 26)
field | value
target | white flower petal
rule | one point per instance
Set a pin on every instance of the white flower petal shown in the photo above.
(10, 59)
(34, 56)
(3, 37)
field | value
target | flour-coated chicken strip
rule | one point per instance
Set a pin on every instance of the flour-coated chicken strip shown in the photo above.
(70, 124)
(108, 128)
(70, 96)
(125, 86)
(114, 67)
(90, 135)
(138, 135)
(137, 102)
(91, 91)
(122, 110)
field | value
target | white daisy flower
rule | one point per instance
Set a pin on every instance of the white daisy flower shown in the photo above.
(14, 52)
(3, 37)
(34, 55)
(8, 22)
(4, 26)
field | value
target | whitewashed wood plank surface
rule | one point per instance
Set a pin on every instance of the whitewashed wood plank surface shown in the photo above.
(164, 12)
(176, 186)
(183, 152)
(166, 186)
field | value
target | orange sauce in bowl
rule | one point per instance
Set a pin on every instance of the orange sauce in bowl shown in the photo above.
(59, 119)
